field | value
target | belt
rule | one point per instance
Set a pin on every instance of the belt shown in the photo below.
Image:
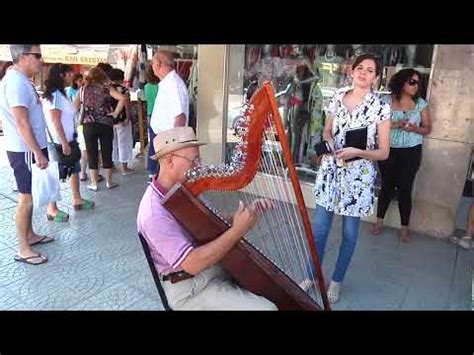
(176, 277)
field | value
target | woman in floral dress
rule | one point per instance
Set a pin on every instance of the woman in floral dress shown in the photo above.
(345, 186)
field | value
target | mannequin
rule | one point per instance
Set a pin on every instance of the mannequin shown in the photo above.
(299, 71)
(331, 67)
(410, 51)
(357, 50)
(268, 68)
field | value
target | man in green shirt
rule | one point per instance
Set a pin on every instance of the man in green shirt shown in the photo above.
(151, 90)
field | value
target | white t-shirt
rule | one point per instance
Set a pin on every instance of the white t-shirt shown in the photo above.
(171, 101)
(17, 90)
(68, 112)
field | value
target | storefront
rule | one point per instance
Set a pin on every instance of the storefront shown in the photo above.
(227, 71)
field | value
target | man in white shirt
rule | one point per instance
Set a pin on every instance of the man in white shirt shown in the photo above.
(24, 128)
(171, 107)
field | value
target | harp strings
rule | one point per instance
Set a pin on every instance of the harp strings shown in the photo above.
(280, 234)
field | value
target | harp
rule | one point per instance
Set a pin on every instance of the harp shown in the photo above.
(278, 259)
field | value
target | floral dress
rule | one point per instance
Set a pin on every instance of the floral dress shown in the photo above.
(348, 188)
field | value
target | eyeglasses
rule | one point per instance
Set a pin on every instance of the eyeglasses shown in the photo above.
(196, 161)
(36, 55)
(413, 82)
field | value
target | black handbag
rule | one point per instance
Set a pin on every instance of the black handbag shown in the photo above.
(56, 150)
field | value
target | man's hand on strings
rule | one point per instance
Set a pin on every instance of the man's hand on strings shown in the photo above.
(244, 219)
(262, 204)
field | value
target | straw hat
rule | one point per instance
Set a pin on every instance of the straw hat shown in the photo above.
(174, 139)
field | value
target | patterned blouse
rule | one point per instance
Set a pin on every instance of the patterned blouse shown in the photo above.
(400, 138)
(97, 105)
(348, 188)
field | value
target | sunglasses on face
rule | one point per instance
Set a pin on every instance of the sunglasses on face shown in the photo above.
(36, 55)
(413, 82)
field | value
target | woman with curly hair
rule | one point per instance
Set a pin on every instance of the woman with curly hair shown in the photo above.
(410, 122)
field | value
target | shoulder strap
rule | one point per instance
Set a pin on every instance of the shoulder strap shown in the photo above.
(81, 107)
(49, 134)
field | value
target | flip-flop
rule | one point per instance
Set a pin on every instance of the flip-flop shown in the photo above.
(127, 173)
(112, 185)
(60, 217)
(85, 205)
(45, 239)
(27, 260)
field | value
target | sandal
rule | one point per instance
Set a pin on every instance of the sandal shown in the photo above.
(85, 205)
(28, 259)
(45, 239)
(93, 187)
(404, 238)
(376, 229)
(128, 172)
(60, 217)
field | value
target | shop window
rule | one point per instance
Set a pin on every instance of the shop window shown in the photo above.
(306, 76)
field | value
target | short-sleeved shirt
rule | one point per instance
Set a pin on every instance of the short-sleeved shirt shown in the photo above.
(71, 93)
(403, 139)
(168, 241)
(171, 101)
(68, 114)
(97, 105)
(348, 189)
(124, 91)
(151, 90)
(16, 90)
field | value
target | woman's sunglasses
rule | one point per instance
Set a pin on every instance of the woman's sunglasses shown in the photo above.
(413, 82)
(36, 55)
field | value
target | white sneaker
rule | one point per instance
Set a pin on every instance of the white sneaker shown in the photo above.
(306, 284)
(466, 242)
(334, 292)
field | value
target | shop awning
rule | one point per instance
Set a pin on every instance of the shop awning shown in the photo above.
(68, 54)
(75, 54)
(5, 55)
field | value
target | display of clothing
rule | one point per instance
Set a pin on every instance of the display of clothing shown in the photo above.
(192, 84)
(142, 60)
(252, 56)
(316, 126)
(332, 70)
(268, 69)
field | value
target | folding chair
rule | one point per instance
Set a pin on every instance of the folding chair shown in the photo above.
(158, 284)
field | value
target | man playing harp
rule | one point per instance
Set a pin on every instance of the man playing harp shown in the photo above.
(190, 274)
